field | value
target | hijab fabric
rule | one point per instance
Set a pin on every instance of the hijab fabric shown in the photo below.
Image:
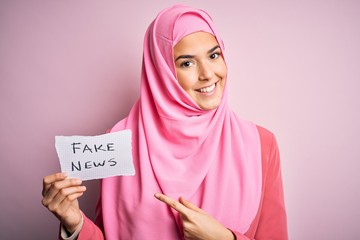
(210, 157)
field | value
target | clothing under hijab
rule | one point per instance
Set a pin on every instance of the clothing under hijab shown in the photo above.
(210, 157)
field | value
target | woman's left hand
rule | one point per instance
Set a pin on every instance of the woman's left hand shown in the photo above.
(197, 224)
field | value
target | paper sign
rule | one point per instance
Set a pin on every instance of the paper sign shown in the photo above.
(96, 157)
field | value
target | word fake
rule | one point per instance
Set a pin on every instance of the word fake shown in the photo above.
(93, 148)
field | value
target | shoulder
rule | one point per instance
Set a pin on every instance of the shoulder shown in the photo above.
(269, 147)
(266, 136)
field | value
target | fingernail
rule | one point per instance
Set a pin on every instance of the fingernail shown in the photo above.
(157, 195)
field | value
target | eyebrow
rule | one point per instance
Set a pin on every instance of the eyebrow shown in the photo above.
(192, 56)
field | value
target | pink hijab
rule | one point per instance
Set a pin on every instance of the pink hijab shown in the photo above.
(211, 157)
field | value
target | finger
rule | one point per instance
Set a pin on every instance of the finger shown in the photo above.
(190, 205)
(49, 180)
(61, 208)
(59, 186)
(65, 194)
(68, 201)
(172, 203)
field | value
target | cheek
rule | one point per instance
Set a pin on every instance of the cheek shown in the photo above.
(185, 79)
(224, 72)
(221, 69)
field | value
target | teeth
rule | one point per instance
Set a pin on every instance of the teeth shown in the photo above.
(208, 89)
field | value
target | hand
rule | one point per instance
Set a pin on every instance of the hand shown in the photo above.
(60, 196)
(197, 224)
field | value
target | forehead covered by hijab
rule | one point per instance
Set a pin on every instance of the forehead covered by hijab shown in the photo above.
(188, 23)
(173, 24)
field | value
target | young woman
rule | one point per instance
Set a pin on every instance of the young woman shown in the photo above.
(201, 172)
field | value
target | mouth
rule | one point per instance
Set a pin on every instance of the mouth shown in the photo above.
(207, 89)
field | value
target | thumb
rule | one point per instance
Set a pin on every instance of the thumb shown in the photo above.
(190, 205)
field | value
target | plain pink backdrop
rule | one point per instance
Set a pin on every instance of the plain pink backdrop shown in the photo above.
(73, 67)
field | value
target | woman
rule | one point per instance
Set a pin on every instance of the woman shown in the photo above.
(215, 176)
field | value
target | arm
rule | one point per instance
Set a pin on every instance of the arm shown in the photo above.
(65, 235)
(92, 230)
(270, 222)
(87, 230)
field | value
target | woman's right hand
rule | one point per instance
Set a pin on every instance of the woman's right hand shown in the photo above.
(60, 196)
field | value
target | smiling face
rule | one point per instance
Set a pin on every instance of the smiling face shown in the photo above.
(200, 69)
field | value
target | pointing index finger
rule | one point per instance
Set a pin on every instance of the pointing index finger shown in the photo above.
(172, 203)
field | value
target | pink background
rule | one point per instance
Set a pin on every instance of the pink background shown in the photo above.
(73, 67)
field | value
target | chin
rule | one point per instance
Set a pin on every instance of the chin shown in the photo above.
(209, 107)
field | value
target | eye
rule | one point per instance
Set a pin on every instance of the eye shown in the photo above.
(214, 55)
(186, 64)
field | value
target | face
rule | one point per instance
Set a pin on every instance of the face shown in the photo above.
(200, 69)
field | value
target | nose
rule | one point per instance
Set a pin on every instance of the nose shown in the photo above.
(205, 71)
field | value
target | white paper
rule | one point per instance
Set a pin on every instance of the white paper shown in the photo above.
(94, 157)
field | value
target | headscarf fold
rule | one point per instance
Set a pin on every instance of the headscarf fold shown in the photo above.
(210, 157)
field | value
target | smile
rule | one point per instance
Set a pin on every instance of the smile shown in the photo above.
(208, 89)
